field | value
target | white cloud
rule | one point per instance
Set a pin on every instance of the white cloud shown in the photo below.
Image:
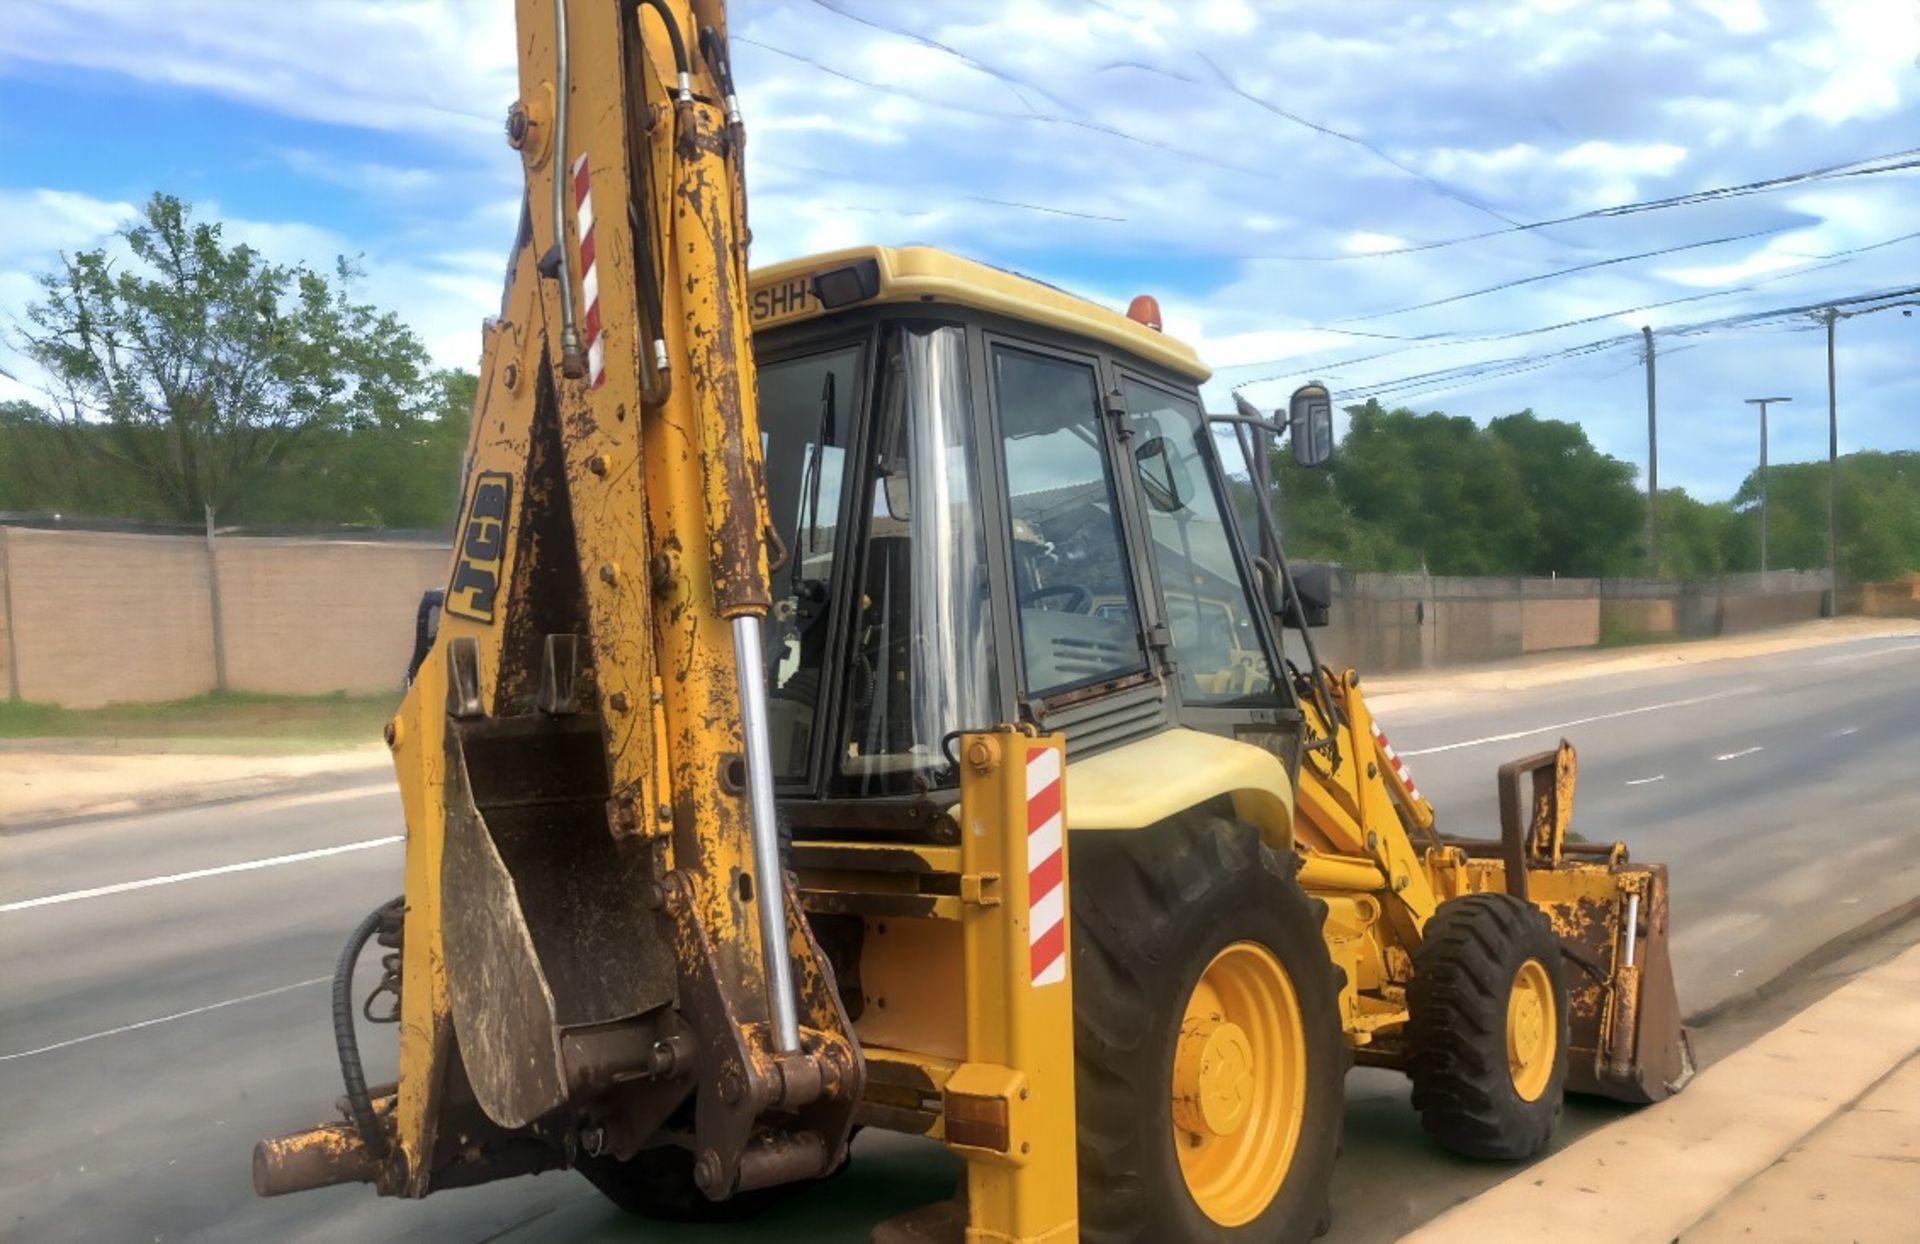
(1101, 146)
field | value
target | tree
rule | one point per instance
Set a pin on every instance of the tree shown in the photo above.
(1877, 516)
(1589, 517)
(194, 371)
(1439, 486)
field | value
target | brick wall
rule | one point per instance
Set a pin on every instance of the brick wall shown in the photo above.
(99, 617)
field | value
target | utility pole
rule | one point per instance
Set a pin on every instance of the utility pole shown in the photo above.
(1831, 316)
(1832, 601)
(1763, 403)
(1653, 465)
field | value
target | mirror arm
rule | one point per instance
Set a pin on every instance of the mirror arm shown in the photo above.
(1270, 537)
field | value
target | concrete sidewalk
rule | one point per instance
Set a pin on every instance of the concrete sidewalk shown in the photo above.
(1811, 1133)
(48, 784)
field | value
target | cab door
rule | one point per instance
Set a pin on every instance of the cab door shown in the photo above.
(1221, 644)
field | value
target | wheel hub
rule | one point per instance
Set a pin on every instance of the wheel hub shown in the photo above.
(1239, 1083)
(1531, 1035)
(1212, 1077)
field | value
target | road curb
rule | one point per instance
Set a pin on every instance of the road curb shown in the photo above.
(1653, 1175)
(1830, 951)
(234, 790)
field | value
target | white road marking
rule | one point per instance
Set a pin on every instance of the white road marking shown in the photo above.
(165, 1019)
(1658, 777)
(1745, 751)
(1844, 731)
(1581, 721)
(72, 896)
(1844, 657)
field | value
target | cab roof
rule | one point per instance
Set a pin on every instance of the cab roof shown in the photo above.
(788, 293)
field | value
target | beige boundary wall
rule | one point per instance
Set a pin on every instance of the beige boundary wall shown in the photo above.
(1408, 621)
(95, 617)
(92, 618)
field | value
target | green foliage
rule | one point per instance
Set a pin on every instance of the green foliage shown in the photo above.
(234, 721)
(1876, 513)
(1698, 539)
(1532, 496)
(202, 378)
(1589, 518)
(1436, 486)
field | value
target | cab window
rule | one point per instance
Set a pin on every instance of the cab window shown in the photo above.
(1079, 620)
(1209, 609)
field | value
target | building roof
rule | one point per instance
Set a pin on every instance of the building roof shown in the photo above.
(782, 294)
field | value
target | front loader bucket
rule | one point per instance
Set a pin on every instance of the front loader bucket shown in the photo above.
(1648, 1055)
(1625, 1039)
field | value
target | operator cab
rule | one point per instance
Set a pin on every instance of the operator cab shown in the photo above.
(994, 502)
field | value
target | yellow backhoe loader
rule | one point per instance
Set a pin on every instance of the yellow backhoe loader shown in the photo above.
(872, 693)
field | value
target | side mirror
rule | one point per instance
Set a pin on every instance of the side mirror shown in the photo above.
(1310, 424)
(898, 490)
(1163, 476)
(1313, 583)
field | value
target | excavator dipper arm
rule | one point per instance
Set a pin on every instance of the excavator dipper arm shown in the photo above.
(602, 958)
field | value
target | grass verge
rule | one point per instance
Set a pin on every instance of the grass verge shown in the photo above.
(240, 722)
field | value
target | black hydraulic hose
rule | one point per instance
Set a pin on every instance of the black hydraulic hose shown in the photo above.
(681, 65)
(359, 1102)
(425, 626)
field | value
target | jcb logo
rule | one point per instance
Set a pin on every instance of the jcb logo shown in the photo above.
(483, 544)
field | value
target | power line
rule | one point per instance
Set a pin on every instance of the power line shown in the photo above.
(1432, 183)
(1865, 167)
(1560, 272)
(1047, 118)
(1431, 341)
(1495, 369)
(1016, 85)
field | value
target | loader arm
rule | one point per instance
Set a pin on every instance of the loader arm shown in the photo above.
(1373, 851)
(601, 957)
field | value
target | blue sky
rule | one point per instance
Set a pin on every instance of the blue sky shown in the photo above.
(1242, 161)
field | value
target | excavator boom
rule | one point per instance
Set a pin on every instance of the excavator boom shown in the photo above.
(600, 949)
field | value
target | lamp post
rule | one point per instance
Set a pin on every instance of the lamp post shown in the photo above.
(1830, 317)
(1763, 403)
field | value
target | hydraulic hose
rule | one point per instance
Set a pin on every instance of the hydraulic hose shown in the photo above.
(359, 1102)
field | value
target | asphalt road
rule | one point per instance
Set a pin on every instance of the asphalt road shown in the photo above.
(150, 1033)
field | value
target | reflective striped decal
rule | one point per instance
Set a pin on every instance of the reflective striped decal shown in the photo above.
(1393, 758)
(1046, 869)
(589, 275)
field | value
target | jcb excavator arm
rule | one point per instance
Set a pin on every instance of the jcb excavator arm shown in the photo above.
(602, 961)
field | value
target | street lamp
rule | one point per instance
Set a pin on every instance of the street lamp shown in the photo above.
(1763, 403)
(1831, 316)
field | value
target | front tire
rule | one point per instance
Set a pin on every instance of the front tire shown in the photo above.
(1207, 1046)
(1487, 1033)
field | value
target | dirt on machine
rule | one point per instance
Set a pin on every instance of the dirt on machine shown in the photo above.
(872, 692)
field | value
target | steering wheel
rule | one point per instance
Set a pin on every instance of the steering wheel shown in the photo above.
(1080, 600)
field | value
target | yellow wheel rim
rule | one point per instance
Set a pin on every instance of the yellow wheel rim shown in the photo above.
(1532, 1036)
(1239, 1083)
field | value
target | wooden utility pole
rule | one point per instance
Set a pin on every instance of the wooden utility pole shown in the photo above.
(1832, 601)
(1653, 465)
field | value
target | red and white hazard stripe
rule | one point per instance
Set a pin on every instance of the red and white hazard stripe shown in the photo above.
(1046, 864)
(1393, 758)
(589, 275)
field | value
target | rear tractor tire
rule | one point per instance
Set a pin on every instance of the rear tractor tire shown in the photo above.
(1207, 1047)
(1487, 1035)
